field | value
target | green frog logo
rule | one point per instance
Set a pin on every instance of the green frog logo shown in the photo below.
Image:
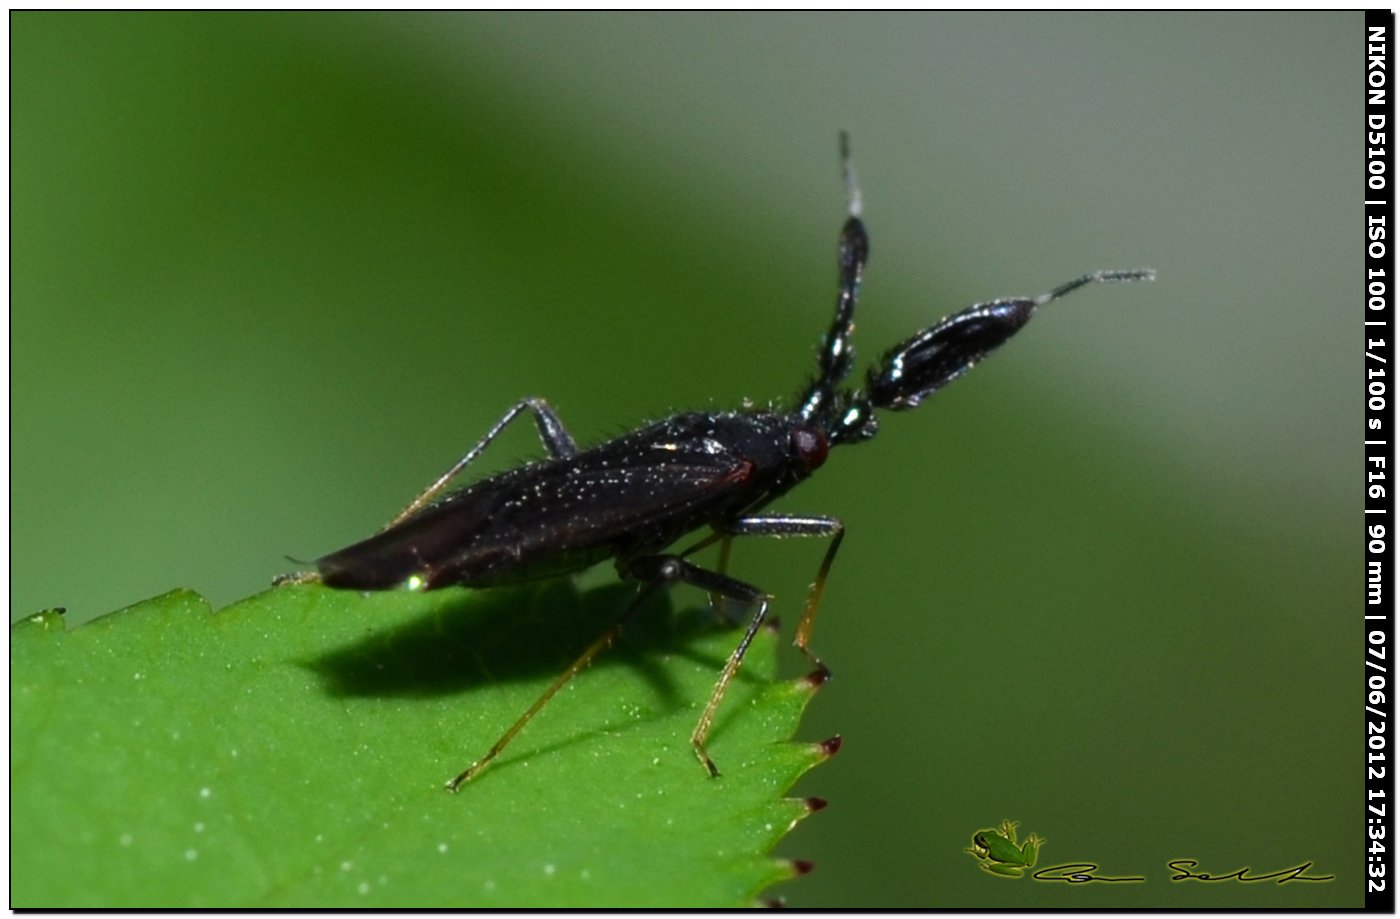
(997, 852)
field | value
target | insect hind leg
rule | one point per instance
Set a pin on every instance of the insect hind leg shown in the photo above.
(602, 643)
(553, 435)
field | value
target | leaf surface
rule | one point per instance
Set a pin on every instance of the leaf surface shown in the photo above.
(291, 750)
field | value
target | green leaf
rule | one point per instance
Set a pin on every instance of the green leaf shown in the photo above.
(291, 750)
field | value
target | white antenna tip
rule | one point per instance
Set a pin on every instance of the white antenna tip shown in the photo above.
(848, 174)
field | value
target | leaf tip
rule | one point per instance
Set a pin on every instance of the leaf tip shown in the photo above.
(816, 679)
(48, 620)
(800, 866)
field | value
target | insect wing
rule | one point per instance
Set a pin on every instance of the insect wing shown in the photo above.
(598, 496)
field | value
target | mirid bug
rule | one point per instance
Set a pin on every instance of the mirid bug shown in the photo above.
(629, 499)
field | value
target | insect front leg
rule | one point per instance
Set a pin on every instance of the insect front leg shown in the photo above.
(663, 569)
(553, 435)
(789, 525)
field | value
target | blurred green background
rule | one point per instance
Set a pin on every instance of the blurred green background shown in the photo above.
(271, 273)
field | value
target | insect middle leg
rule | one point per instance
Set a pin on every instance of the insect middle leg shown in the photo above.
(553, 435)
(654, 571)
(664, 569)
(717, 600)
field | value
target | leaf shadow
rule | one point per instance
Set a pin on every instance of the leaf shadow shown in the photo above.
(478, 638)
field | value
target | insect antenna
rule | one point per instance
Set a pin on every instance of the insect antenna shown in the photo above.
(940, 354)
(818, 404)
(848, 175)
(1096, 277)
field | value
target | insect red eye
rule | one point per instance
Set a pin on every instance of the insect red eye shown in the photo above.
(809, 446)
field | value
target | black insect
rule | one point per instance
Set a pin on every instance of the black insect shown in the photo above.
(631, 498)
